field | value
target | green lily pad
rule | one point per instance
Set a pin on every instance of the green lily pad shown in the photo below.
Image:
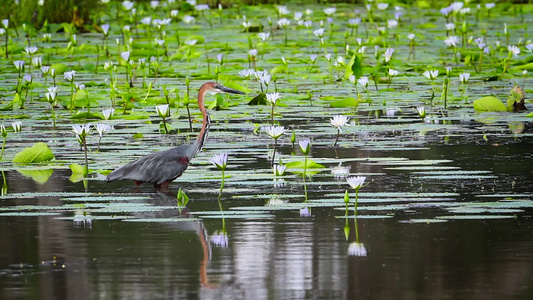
(34, 154)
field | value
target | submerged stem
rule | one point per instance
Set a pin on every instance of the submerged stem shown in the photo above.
(337, 138)
(274, 154)
(3, 147)
(86, 168)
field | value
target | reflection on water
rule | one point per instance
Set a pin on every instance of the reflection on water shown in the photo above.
(299, 253)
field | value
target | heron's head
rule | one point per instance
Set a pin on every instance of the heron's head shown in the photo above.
(215, 88)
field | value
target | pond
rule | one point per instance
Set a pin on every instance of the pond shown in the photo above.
(445, 210)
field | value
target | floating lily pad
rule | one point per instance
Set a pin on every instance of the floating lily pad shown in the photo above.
(477, 217)
(28, 214)
(161, 220)
(105, 198)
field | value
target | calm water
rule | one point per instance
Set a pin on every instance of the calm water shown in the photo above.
(294, 254)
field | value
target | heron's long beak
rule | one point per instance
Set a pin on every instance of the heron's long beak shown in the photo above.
(228, 90)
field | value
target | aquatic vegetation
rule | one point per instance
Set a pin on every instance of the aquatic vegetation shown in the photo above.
(275, 132)
(356, 182)
(81, 132)
(137, 56)
(338, 122)
(163, 113)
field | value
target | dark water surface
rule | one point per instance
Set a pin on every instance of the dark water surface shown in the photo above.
(295, 254)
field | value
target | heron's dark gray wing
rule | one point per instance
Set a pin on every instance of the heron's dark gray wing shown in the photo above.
(156, 168)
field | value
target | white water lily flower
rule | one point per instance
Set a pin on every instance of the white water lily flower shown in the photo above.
(363, 81)
(449, 26)
(514, 50)
(451, 41)
(5, 23)
(191, 42)
(19, 65)
(339, 121)
(329, 11)
(464, 77)
(284, 22)
(247, 73)
(252, 52)
(263, 77)
(105, 29)
(263, 36)
(305, 146)
(352, 79)
(457, 6)
(388, 54)
(220, 160)
(30, 50)
(382, 6)
(37, 61)
(279, 170)
(17, 126)
(127, 5)
(393, 72)
(431, 74)
(272, 98)
(51, 94)
(274, 132)
(411, 36)
(27, 78)
(282, 10)
(356, 182)
(188, 19)
(81, 130)
(108, 113)
(354, 22)
(201, 7)
(318, 32)
(162, 110)
(101, 128)
(69, 75)
(298, 16)
(392, 23)
(125, 55)
(490, 5)
(529, 47)
(313, 57)
(421, 111)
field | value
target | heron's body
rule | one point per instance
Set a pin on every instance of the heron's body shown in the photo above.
(161, 168)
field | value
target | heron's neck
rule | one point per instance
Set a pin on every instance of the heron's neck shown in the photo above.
(202, 137)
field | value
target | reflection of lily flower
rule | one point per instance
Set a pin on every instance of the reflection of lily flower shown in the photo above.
(82, 218)
(305, 212)
(340, 171)
(220, 239)
(278, 182)
(277, 201)
(357, 249)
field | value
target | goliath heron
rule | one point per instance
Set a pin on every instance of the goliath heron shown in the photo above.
(161, 168)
